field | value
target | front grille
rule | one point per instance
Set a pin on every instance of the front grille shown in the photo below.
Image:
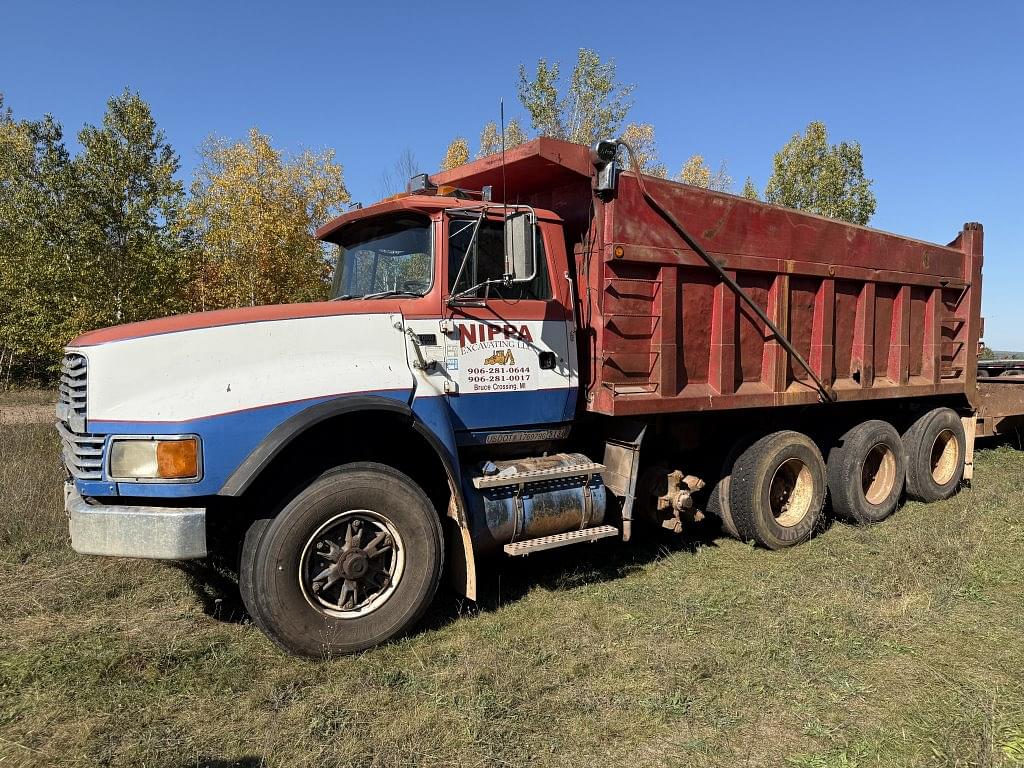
(82, 452)
(74, 375)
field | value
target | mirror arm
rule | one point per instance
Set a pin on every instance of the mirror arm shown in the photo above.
(458, 297)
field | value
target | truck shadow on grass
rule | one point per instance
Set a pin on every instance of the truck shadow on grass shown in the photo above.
(216, 586)
(501, 580)
(504, 580)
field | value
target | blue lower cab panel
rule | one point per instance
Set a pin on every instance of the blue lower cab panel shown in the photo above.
(499, 410)
(226, 439)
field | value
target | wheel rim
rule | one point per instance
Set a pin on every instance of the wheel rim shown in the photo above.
(878, 475)
(945, 456)
(352, 564)
(791, 492)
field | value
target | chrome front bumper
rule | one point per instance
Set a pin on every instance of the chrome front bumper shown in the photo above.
(163, 533)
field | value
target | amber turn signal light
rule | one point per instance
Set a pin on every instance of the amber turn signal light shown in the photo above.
(177, 458)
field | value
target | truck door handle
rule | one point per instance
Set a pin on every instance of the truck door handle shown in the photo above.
(547, 360)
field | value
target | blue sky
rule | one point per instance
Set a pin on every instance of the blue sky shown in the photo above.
(934, 91)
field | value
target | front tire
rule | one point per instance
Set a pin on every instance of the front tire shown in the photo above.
(352, 561)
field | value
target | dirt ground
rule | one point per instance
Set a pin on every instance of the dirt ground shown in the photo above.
(27, 406)
(26, 414)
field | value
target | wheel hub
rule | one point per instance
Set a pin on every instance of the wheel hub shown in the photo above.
(945, 457)
(790, 492)
(878, 475)
(352, 564)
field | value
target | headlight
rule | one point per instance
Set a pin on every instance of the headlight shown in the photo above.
(154, 458)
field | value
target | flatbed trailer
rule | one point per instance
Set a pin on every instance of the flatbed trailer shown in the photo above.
(534, 350)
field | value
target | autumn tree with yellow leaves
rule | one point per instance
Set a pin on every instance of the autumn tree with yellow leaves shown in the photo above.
(490, 137)
(640, 138)
(457, 154)
(697, 173)
(252, 214)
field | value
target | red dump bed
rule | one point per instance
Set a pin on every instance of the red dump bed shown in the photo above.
(875, 314)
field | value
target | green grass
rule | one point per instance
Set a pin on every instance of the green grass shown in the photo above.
(900, 644)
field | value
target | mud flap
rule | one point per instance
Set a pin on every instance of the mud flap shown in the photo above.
(461, 562)
(970, 430)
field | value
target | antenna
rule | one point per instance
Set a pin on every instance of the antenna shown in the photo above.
(504, 195)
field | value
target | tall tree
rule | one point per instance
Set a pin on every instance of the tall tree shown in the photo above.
(810, 174)
(514, 134)
(640, 137)
(39, 309)
(591, 106)
(490, 137)
(88, 241)
(130, 201)
(749, 190)
(457, 154)
(254, 211)
(696, 172)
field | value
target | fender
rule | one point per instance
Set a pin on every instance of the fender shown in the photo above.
(287, 431)
(463, 571)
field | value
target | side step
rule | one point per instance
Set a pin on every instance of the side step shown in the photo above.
(537, 475)
(560, 540)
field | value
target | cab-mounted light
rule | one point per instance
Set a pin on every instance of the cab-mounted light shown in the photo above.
(420, 184)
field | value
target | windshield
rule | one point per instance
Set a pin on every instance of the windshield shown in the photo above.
(384, 257)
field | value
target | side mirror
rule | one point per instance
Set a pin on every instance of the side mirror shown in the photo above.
(520, 253)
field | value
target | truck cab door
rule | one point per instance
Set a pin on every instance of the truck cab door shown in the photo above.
(509, 351)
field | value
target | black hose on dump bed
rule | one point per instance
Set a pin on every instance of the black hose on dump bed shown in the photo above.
(824, 391)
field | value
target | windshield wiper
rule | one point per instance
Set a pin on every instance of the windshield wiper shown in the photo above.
(382, 294)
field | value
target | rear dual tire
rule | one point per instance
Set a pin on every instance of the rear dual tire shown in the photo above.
(776, 490)
(936, 448)
(865, 475)
(866, 468)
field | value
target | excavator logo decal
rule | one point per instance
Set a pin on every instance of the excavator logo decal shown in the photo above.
(501, 357)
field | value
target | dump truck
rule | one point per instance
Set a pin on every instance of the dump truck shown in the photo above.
(534, 350)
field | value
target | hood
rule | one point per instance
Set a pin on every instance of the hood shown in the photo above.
(197, 366)
(222, 317)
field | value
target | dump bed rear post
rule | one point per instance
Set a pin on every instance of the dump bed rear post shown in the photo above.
(972, 242)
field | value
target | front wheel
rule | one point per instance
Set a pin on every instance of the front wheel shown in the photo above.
(353, 560)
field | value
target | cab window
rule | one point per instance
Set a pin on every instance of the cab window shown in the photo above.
(486, 261)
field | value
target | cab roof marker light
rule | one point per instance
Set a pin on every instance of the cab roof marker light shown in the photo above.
(420, 184)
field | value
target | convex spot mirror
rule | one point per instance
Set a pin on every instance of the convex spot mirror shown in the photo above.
(520, 248)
